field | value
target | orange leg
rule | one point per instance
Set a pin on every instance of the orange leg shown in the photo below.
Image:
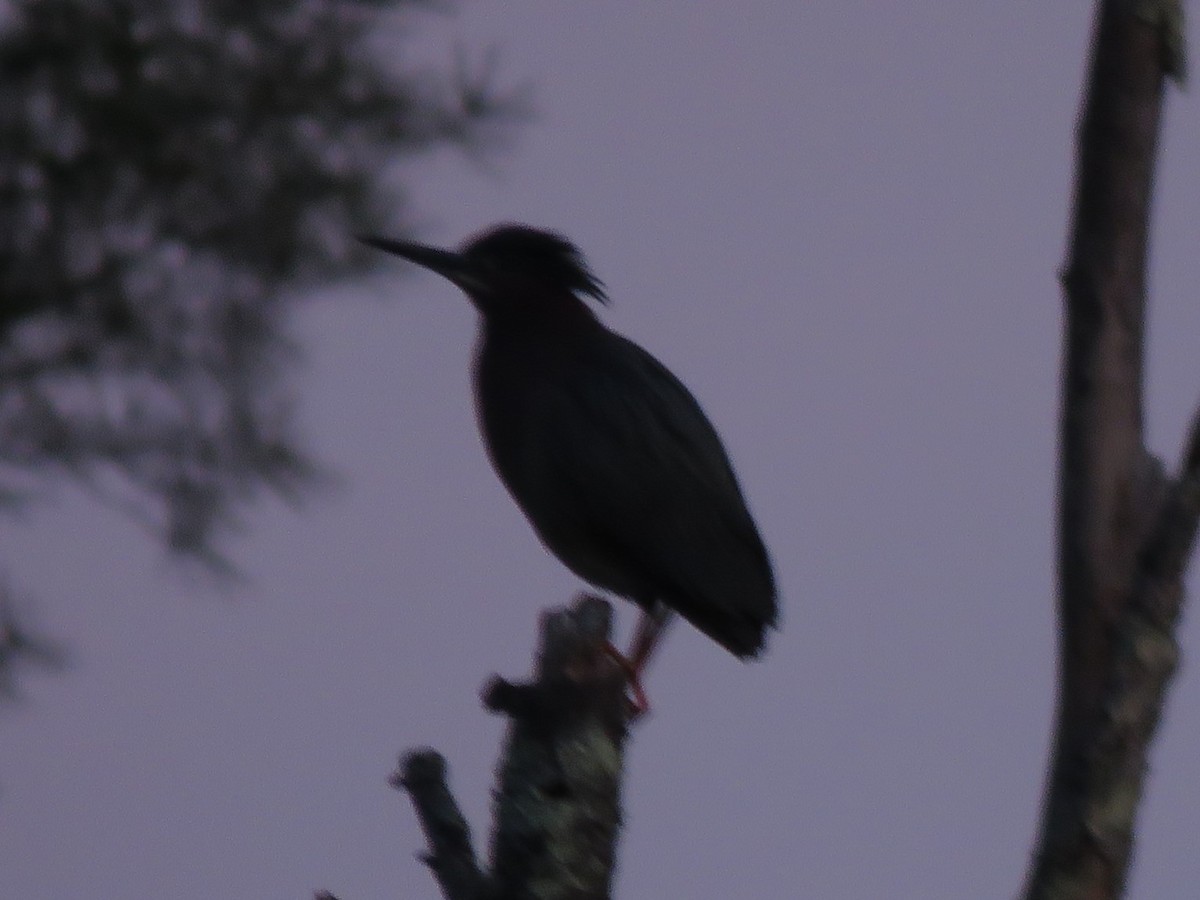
(650, 628)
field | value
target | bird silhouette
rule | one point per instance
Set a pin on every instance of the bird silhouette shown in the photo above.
(610, 457)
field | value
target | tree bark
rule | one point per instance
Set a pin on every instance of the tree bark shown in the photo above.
(1125, 529)
(557, 807)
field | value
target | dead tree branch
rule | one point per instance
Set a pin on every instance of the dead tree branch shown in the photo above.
(557, 806)
(1125, 530)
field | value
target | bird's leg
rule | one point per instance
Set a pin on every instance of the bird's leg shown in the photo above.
(639, 704)
(650, 627)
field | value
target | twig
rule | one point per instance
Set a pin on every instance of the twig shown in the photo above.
(423, 774)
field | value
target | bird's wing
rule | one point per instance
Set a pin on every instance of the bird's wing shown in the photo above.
(630, 456)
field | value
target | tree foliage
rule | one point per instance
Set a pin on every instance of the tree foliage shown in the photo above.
(171, 174)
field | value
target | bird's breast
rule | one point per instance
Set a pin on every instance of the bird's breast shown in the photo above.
(521, 394)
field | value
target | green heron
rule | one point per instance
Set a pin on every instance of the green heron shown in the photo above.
(608, 455)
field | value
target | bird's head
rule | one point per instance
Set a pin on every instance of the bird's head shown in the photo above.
(506, 268)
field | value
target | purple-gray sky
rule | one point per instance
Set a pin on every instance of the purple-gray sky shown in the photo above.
(840, 224)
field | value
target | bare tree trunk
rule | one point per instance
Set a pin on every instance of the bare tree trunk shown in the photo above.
(557, 809)
(1125, 528)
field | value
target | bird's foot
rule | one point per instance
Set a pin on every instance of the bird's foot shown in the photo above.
(639, 703)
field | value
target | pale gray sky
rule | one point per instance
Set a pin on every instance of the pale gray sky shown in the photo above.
(839, 223)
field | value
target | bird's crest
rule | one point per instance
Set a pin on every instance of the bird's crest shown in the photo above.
(550, 255)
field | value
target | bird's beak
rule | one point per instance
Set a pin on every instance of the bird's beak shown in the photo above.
(450, 265)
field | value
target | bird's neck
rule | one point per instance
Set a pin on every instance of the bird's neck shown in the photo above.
(540, 314)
